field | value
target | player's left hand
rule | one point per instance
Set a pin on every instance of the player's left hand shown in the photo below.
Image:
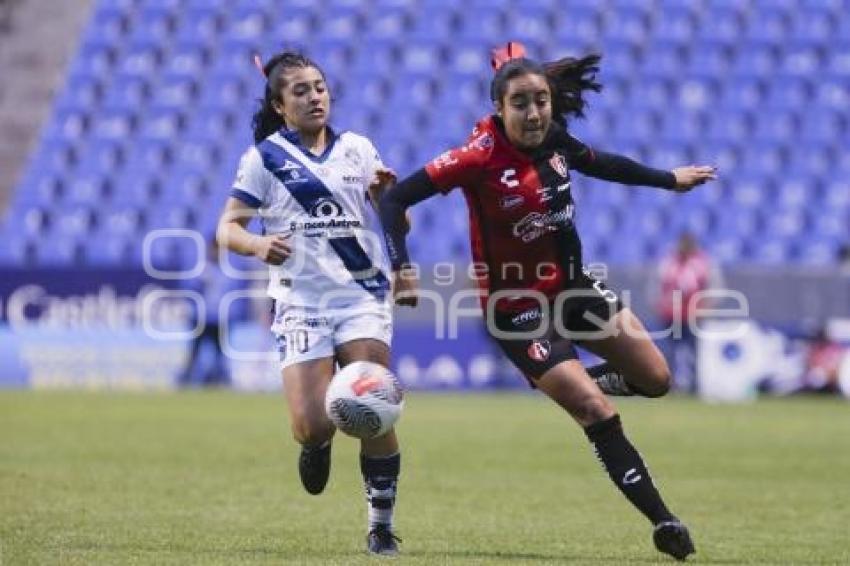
(692, 175)
(406, 287)
(384, 179)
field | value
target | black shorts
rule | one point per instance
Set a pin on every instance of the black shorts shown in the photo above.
(539, 338)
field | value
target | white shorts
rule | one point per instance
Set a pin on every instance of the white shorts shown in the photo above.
(306, 333)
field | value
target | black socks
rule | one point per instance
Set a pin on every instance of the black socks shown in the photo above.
(626, 468)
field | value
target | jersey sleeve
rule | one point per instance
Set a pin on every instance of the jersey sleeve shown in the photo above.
(252, 182)
(461, 166)
(371, 161)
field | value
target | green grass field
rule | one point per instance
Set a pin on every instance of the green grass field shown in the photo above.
(210, 478)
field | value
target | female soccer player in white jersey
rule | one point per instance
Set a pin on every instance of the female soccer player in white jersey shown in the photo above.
(327, 268)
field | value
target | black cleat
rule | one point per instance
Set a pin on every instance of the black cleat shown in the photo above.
(314, 466)
(673, 538)
(381, 540)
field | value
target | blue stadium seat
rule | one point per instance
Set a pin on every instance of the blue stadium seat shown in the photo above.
(775, 125)
(829, 222)
(744, 93)
(488, 22)
(737, 222)
(113, 123)
(139, 59)
(378, 55)
(816, 251)
(720, 27)
(81, 90)
(800, 60)
(150, 156)
(813, 159)
(768, 251)
(626, 25)
(153, 21)
(785, 222)
(17, 250)
(837, 193)
(106, 250)
(199, 25)
(676, 23)
(824, 125)
(663, 58)
(86, 189)
(187, 61)
(247, 21)
(334, 55)
(59, 252)
(757, 60)
(576, 27)
(768, 25)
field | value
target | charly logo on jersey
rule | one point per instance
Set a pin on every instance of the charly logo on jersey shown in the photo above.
(508, 202)
(559, 164)
(509, 178)
(535, 224)
(287, 166)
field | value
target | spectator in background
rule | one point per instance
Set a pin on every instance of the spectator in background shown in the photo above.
(823, 361)
(844, 260)
(212, 284)
(6, 8)
(682, 274)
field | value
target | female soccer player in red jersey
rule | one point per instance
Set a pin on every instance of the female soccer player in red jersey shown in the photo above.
(514, 172)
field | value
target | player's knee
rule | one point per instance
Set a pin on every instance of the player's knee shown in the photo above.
(311, 432)
(594, 408)
(659, 380)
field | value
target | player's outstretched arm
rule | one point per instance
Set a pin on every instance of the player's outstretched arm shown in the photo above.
(621, 169)
(231, 233)
(393, 208)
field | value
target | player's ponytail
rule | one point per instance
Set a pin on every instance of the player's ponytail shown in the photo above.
(266, 119)
(568, 77)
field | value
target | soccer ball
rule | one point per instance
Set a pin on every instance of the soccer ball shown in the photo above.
(364, 400)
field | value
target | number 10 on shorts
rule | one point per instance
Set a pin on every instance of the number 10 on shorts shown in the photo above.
(297, 341)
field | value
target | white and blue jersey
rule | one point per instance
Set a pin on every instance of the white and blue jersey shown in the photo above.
(320, 203)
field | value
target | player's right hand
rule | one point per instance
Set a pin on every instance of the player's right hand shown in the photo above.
(273, 249)
(406, 287)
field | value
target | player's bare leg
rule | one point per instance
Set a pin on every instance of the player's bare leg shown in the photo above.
(569, 385)
(305, 385)
(634, 365)
(380, 460)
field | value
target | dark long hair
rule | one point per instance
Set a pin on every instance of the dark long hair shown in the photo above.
(266, 120)
(568, 80)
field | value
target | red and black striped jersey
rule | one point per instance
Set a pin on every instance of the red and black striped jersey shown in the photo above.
(521, 211)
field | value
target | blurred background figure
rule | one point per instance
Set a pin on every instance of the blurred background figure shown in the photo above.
(210, 369)
(844, 260)
(682, 275)
(823, 361)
